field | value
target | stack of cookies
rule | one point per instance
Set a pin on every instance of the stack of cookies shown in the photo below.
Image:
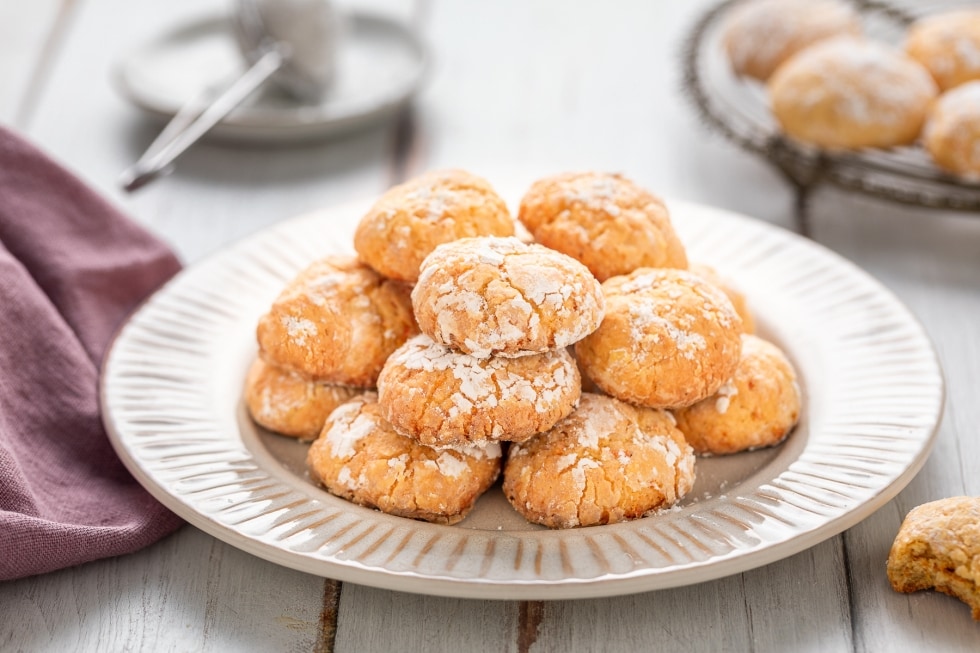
(491, 364)
(328, 334)
(496, 316)
(467, 334)
(609, 460)
(671, 343)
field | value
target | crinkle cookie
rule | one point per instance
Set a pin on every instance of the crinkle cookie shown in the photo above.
(938, 547)
(409, 220)
(289, 404)
(948, 45)
(360, 457)
(669, 339)
(952, 132)
(847, 93)
(762, 34)
(440, 396)
(756, 408)
(498, 296)
(337, 322)
(606, 462)
(736, 296)
(604, 220)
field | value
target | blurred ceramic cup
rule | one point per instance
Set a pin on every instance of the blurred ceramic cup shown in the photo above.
(309, 30)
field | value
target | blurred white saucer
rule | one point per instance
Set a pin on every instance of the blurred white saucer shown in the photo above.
(380, 66)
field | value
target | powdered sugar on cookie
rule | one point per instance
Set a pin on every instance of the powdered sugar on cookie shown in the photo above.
(360, 457)
(442, 396)
(499, 296)
(606, 462)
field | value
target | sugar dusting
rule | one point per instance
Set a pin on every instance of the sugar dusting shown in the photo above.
(278, 398)
(484, 451)
(436, 201)
(298, 329)
(866, 82)
(725, 394)
(672, 306)
(450, 465)
(961, 104)
(947, 44)
(767, 30)
(608, 434)
(485, 382)
(646, 324)
(535, 299)
(597, 193)
(349, 425)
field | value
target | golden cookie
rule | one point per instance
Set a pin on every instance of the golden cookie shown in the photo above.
(409, 220)
(605, 221)
(938, 547)
(952, 133)
(669, 339)
(757, 407)
(848, 93)
(606, 462)
(498, 296)
(289, 404)
(761, 34)
(440, 396)
(948, 45)
(337, 322)
(361, 458)
(736, 296)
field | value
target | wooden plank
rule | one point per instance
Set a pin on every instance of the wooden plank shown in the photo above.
(379, 620)
(189, 592)
(681, 619)
(28, 35)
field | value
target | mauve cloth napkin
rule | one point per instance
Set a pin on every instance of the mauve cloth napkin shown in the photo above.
(71, 268)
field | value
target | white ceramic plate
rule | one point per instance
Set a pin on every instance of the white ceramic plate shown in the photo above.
(873, 396)
(380, 65)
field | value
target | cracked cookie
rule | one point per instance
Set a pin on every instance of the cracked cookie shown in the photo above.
(952, 132)
(669, 339)
(603, 220)
(289, 404)
(938, 547)
(411, 219)
(498, 296)
(337, 322)
(848, 93)
(606, 462)
(762, 34)
(948, 45)
(440, 396)
(361, 458)
(756, 408)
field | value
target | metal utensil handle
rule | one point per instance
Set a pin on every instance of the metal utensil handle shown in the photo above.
(158, 157)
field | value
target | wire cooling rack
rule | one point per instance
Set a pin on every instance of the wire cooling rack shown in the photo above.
(737, 108)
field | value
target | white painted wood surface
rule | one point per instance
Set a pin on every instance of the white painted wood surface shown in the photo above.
(29, 33)
(534, 87)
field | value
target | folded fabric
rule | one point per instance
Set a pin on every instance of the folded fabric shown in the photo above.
(71, 268)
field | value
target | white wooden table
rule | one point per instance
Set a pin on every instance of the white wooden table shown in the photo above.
(545, 86)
